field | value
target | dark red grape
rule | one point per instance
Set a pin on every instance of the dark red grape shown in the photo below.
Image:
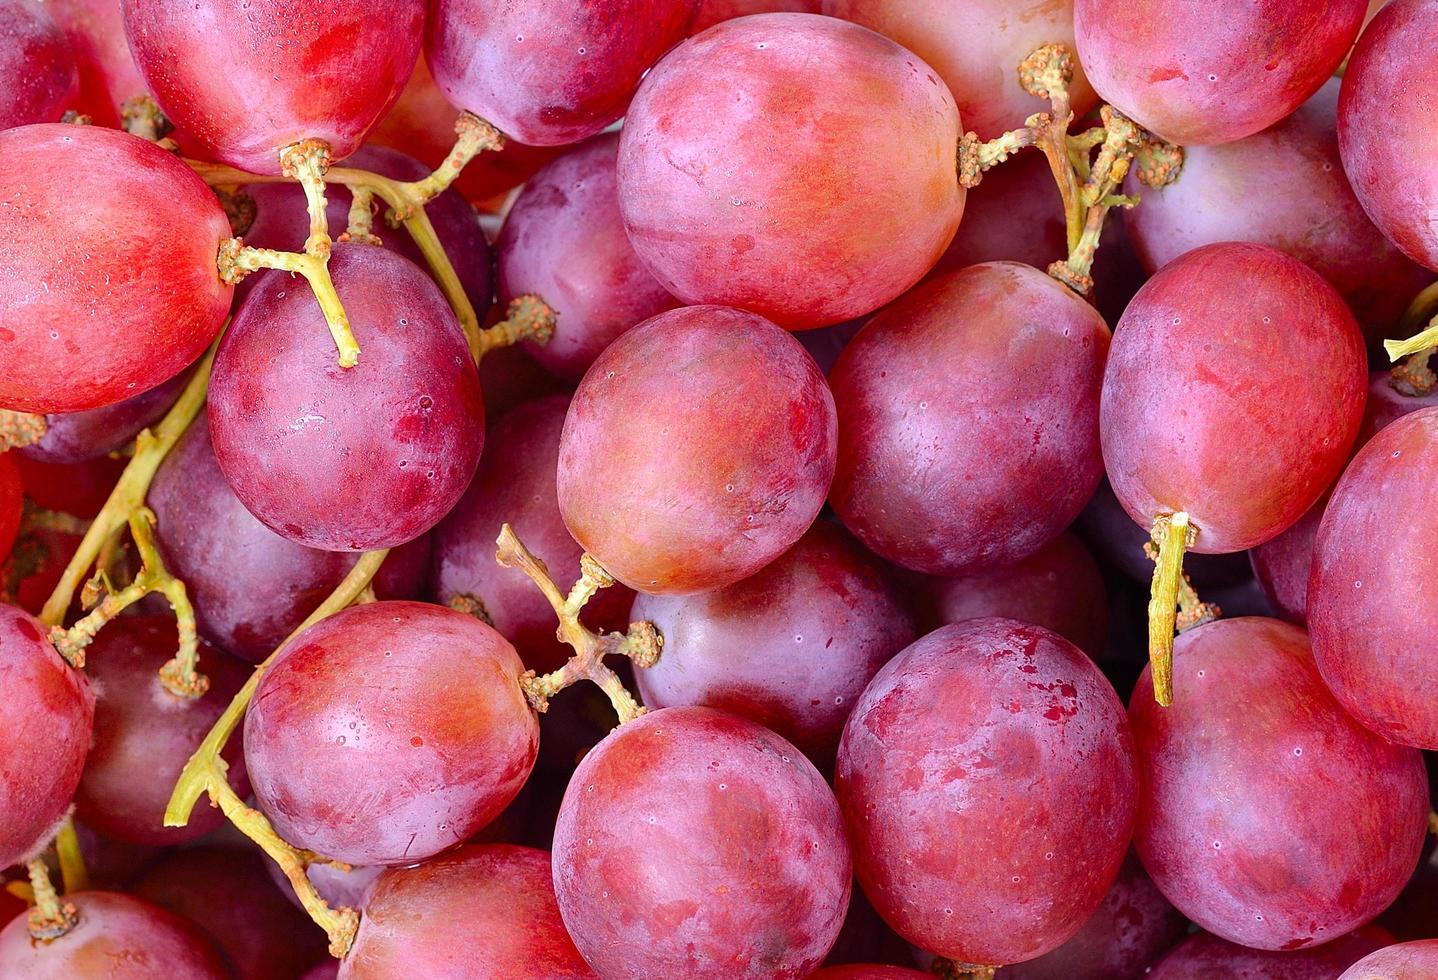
(1387, 405)
(500, 920)
(144, 734)
(698, 448)
(406, 423)
(1405, 961)
(976, 48)
(389, 732)
(564, 241)
(945, 463)
(38, 75)
(1235, 406)
(78, 489)
(1384, 127)
(1370, 605)
(695, 843)
(1307, 210)
(327, 969)
(89, 316)
(279, 71)
(791, 647)
(712, 12)
(47, 714)
(549, 72)
(1204, 72)
(118, 937)
(797, 166)
(95, 30)
(1282, 565)
(516, 485)
(73, 437)
(11, 503)
(867, 971)
(34, 568)
(958, 774)
(1268, 815)
(511, 378)
(1206, 957)
(1015, 215)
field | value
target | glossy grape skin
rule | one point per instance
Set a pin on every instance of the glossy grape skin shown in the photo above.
(698, 844)
(1307, 210)
(12, 503)
(1238, 406)
(698, 448)
(945, 463)
(868, 971)
(976, 48)
(1405, 961)
(516, 485)
(549, 72)
(228, 893)
(564, 241)
(712, 12)
(1268, 815)
(95, 30)
(1385, 126)
(73, 437)
(1369, 596)
(1206, 957)
(957, 775)
(246, 78)
(1282, 565)
(501, 920)
(1387, 405)
(838, 145)
(1202, 72)
(282, 223)
(1058, 587)
(406, 424)
(48, 711)
(88, 316)
(791, 647)
(38, 75)
(440, 736)
(250, 587)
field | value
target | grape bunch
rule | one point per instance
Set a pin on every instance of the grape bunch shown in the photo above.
(754, 489)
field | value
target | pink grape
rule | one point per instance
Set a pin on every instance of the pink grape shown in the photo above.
(279, 72)
(95, 30)
(73, 437)
(549, 72)
(957, 775)
(501, 920)
(1202, 72)
(48, 712)
(1267, 814)
(1016, 215)
(797, 166)
(724, 433)
(1405, 961)
(791, 647)
(711, 12)
(945, 464)
(89, 317)
(695, 843)
(1206, 957)
(406, 423)
(1188, 394)
(976, 48)
(1283, 563)
(564, 241)
(389, 732)
(1387, 405)
(38, 75)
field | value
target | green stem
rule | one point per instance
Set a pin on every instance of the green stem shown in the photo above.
(1172, 536)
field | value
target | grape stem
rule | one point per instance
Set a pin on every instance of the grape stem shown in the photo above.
(1192, 611)
(72, 861)
(1413, 376)
(951, 970)
(528, 318)
(18, 429)
(1173, 534)
(642, 643)
(52, 916)
(360, 227)
(141, 116)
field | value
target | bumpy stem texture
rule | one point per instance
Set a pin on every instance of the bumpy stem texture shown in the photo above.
(528, 318)
(19, 429)
(52, 915)
(1172, 536)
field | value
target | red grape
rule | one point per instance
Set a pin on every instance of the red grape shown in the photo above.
(958, 776)
(118, 937)
(1385, 129)
(389, 732)
(797, 166)
(500, 920)
(1016, 214)
(11, 503)
(1268, 815)
(564, 241)
(516, 485)
(712, 12)
(945, 462)
(1206, 957)
(38, 74)
(144, 734)
(976, 48)
(1282, 565)
(73, 437)
(698, 448)
(406, 423)
(34, 567)
(88, 315)
(1405, 961)
(1200, 72)
(1058, 587)
(95, 30)
(1370, 603)
(327, 969)
(866, 971)
(47, 714)
(549, 71)
(694, 843)
(791, 647)
(1236, 406)
(78, 489)
(247, 78)
(1387, 405)
(1307, 210)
